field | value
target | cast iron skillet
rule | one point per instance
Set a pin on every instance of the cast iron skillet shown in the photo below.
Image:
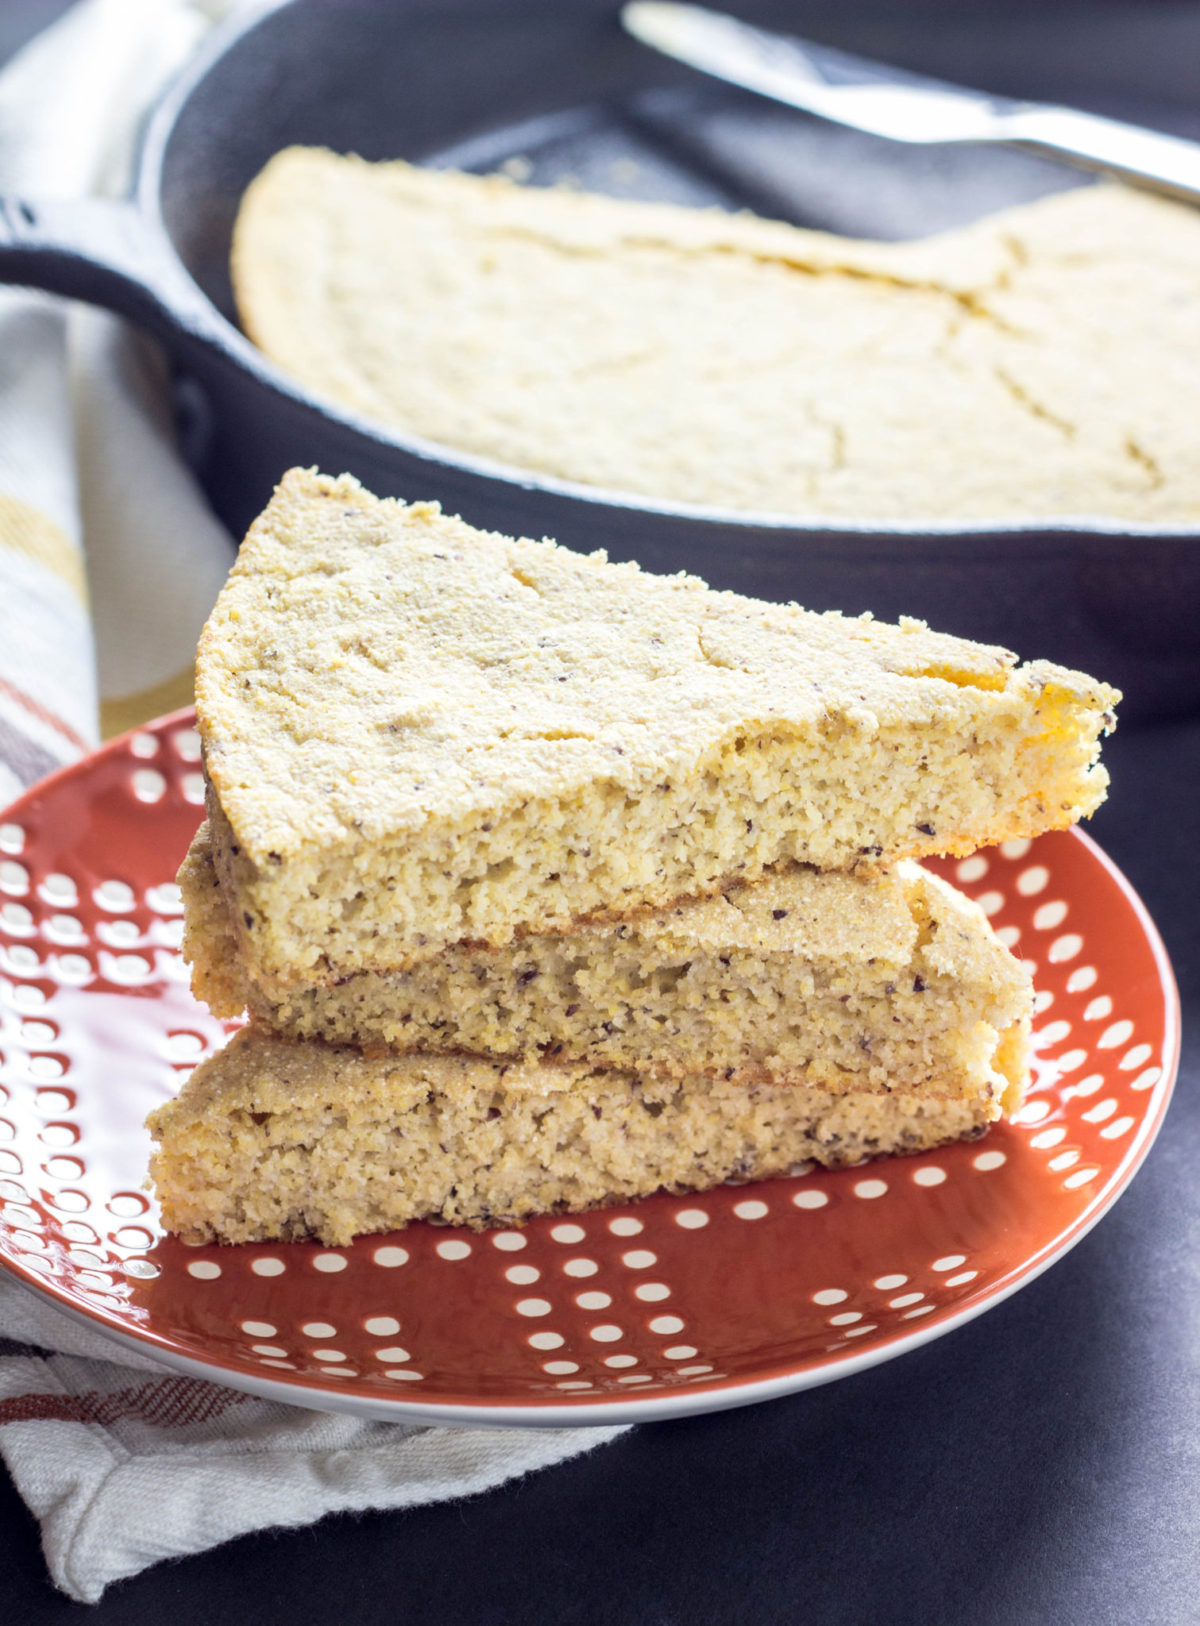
(474, 82)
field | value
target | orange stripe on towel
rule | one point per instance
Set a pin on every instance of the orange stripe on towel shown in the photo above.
(44, 715)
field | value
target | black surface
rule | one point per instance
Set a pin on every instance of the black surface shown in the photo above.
(1041, 1465)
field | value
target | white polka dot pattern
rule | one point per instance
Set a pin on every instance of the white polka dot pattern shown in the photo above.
(593, 1301)
(751, 1210)
(580, 1267)
(870, 1189)
(989, 1160)
(636, 1303)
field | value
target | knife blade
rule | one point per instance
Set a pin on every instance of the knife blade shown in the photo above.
(903, 106)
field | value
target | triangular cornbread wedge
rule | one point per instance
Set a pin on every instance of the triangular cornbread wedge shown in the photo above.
(836, 981)
(1032, 363)
(416, 733)
(272, 1139)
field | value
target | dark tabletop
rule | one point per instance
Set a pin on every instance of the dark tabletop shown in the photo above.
(1040, 1465)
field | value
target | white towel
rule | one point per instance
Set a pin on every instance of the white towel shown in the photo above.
(125, 1463)
(109, 563)
(102, 529)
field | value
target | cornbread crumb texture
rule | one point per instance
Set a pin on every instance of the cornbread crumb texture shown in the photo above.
(259, 1143)
(1031, 364)
(846, 982)
(209, 944)
(417, 733)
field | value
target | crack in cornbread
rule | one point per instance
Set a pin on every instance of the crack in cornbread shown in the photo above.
(417, 733)
(1030, 364)
(848, 982)
(271, 1139)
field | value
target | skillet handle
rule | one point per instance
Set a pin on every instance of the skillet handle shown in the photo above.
(105, 253)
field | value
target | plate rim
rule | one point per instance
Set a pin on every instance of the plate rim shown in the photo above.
(718, 1394)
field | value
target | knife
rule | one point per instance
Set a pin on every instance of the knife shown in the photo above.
(904, 106)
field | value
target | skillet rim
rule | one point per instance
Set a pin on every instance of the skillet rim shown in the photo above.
(154, 142)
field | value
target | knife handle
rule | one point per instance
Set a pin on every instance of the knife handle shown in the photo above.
(1160, 162)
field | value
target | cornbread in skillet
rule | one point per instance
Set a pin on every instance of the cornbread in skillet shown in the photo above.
(273, 1139)
(417, 733)
(843, 982)
(1031, 364)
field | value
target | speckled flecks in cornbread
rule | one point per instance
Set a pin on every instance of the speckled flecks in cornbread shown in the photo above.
(418, 733)
(846, 982)
(273, 1139)
(1031, 364)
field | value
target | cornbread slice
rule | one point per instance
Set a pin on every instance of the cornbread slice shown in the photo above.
(1031, 364)
(847, 982)
(417, 733)
(272, 1139)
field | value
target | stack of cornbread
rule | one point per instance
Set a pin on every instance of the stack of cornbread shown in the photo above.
(547, 882)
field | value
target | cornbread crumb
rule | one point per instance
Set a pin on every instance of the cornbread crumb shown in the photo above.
(847, 982)
(270, 1139)
(417, 733)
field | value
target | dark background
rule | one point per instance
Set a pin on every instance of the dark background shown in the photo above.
(1041, 1465)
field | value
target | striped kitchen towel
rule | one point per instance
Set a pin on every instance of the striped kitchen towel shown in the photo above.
(125, 1463)
(109, 557)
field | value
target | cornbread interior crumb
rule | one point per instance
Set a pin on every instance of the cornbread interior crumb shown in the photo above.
(843, 982)
(259, 1142)
(418, 733)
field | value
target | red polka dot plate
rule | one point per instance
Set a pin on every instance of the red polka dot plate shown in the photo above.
(668, 1306)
